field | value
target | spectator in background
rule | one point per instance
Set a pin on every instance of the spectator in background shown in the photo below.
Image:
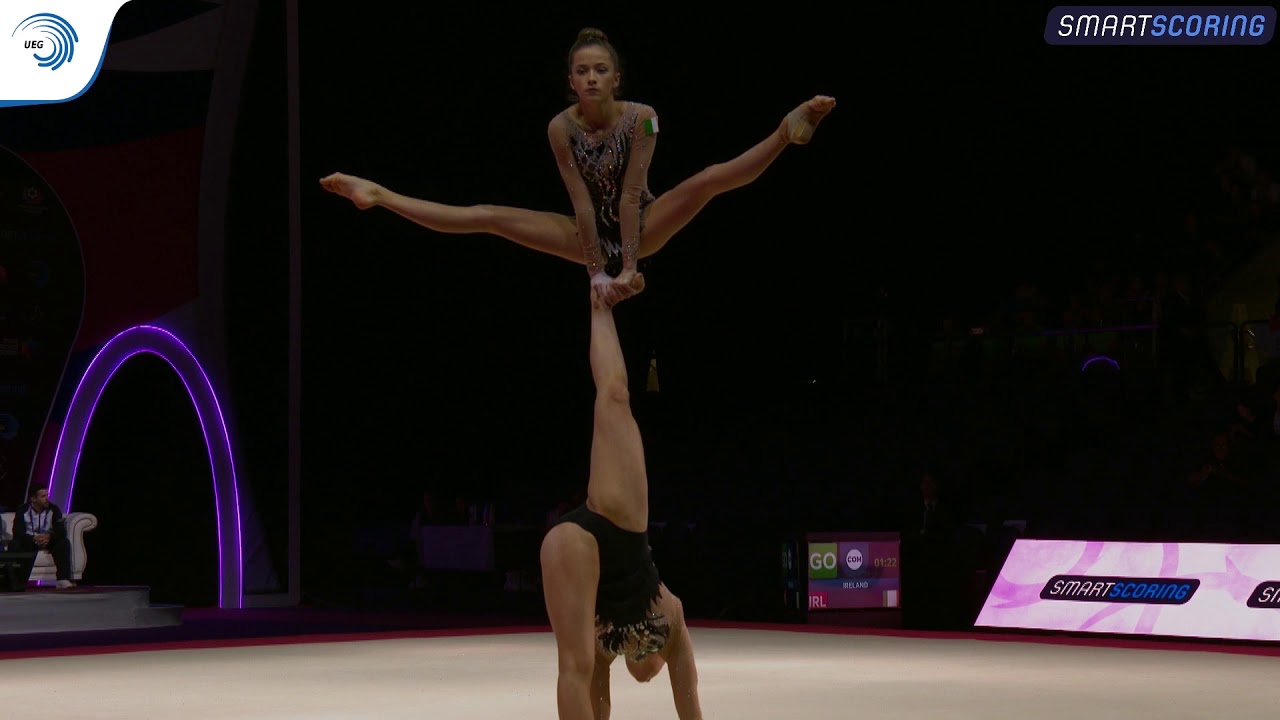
(1265, 201)
(1183, 343)
(38, 525)
(1222, 473)
(1221, 490)
(938, 517)
(460, 513)
(934, 566)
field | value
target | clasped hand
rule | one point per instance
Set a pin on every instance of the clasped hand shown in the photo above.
(613, 290)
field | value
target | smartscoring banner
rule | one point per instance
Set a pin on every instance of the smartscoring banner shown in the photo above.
(1160, 25)
(1199, 590)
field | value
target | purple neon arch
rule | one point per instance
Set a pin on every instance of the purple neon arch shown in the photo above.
(1099, 359)
(226, 496)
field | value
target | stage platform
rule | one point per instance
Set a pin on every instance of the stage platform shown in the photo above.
(745, 672)
(46, 610)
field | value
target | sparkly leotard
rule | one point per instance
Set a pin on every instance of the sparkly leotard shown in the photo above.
(602, 162)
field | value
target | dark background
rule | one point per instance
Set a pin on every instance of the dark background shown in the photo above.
(965, 157)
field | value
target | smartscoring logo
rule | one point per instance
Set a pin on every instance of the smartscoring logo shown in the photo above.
(1147, 591)
(50, 33)
(1160, 25)
(1266, 595)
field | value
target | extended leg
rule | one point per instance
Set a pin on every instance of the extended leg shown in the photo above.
(542, 231)
(675, 208)
(570, 572)
(618, 487)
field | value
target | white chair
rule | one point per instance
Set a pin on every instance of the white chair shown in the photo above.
(78, 523)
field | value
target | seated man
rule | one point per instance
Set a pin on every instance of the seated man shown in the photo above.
(38, 525)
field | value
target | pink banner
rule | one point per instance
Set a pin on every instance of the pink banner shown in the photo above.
(1199, 590)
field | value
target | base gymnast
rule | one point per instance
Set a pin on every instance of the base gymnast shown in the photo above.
(603, 594)
(603, 147)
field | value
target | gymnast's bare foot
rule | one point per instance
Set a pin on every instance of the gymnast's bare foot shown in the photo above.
(363, 193)
(799, 124)
(630, 281)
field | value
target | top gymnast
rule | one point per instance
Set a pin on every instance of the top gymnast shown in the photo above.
(603, 147)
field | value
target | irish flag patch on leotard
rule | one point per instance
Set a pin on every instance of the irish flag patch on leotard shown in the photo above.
(651, 126)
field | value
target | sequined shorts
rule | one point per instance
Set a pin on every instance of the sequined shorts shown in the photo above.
(634, 641)
(628, 589)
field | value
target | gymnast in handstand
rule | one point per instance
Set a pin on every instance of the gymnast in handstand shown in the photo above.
(602, 590)
(603, 147)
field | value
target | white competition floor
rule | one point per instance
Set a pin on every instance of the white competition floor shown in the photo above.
(746, 674)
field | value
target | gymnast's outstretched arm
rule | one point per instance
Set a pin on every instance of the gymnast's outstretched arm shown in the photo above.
(682, 670)
(583, 209)
(634, 183)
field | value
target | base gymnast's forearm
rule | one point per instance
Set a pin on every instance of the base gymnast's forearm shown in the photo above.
(683, 672)
(629, 224)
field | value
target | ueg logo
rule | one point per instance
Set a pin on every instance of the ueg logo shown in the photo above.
(58, 41)
(54, 49)
(823, 561)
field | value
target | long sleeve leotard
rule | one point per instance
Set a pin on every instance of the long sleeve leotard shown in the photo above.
(607, 178)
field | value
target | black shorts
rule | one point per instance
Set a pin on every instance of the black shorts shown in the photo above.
(626, 623)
